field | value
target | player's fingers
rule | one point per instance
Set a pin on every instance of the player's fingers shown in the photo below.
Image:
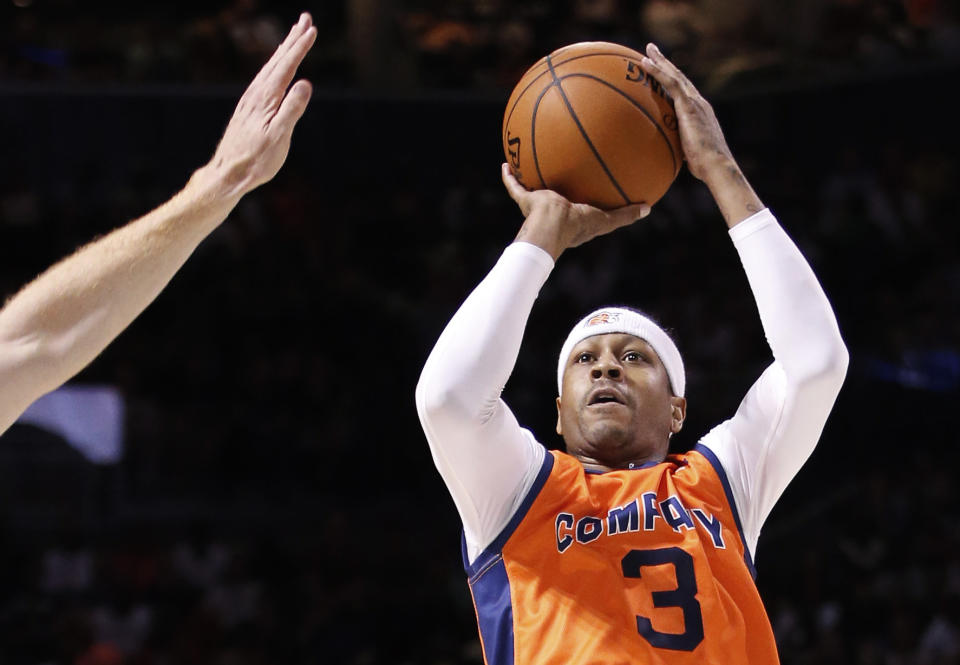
(658, 71)
(516, 191)
(667, 73)
(594, 222)
(293, 106)
(662, 62)
(628, 214)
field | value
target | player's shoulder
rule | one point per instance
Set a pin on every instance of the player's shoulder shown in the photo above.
(698, 466)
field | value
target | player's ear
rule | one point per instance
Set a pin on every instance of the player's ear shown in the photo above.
(678, 413)
(559, 426)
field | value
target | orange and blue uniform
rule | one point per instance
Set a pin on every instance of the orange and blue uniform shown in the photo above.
(645, 565)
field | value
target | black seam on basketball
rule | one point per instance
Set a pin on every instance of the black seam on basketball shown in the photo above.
(594, 54)
(547, 60)
(533, 133)
(583, 132)
(656, 124)
(524, 91)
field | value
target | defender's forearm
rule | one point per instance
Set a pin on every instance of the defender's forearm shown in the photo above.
(63, 319)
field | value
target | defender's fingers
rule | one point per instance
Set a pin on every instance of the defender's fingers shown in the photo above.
(293, 106)
(259, 86)
(299, 28)
(286, 66)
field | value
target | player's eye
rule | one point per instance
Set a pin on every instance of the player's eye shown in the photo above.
(584, 357)
(633, 357)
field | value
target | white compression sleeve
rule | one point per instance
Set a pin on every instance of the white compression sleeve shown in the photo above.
(486, 459)
(783, 414)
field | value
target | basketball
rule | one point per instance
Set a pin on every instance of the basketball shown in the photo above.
(586, 121)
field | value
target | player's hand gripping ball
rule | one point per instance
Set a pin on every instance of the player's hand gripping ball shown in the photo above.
(586, 121)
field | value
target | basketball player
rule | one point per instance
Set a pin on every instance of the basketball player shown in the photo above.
(62, 320)
(616, 551)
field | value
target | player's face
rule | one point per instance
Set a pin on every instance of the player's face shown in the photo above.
(617, 406)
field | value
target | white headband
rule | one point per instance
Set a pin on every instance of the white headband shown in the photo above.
(620, 320)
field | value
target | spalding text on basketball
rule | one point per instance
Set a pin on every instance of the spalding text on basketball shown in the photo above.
(513, 148)
(637, 75)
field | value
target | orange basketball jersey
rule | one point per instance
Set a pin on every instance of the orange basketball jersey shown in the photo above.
(642, 566)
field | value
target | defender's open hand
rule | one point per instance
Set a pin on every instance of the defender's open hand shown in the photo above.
(257, 139)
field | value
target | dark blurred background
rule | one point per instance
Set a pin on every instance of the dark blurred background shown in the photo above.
(269, 496)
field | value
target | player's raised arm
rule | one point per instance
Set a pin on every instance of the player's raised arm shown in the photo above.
(707, 155)
(59, 322)
(483, 455)
(781, 418)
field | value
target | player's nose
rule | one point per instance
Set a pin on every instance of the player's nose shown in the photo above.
(606, 366)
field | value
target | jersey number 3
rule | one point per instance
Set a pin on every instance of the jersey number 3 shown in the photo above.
(684, 597)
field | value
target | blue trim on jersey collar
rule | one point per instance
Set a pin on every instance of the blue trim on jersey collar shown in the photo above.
(715, 463)
(493, 550)
(645, 465)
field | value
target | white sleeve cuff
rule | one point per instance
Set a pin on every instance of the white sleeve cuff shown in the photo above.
(531, 251)
(752, 224)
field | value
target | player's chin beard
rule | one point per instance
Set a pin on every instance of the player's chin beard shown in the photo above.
(605, 439)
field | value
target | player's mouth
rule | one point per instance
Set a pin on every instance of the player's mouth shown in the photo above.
(604, 396)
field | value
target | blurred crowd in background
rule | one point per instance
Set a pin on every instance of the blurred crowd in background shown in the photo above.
(275, 502)
(479, 44)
